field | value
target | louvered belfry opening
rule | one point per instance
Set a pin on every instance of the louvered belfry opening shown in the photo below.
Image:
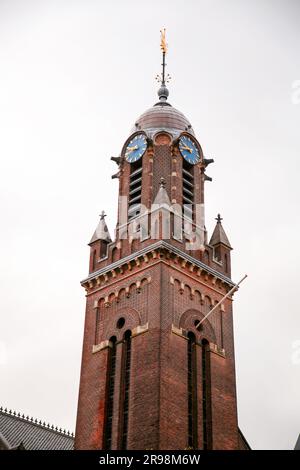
(110, 381)
(135, 189)
(188, 189)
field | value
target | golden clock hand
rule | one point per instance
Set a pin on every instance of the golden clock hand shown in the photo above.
(184, 147)
(131, 149)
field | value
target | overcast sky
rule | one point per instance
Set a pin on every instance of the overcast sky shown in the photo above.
(74, 77)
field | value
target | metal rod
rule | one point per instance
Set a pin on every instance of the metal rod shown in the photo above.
(222, 300)
(163, 70)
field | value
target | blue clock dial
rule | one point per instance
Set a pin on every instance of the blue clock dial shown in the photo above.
(136, 148)
(189, 150)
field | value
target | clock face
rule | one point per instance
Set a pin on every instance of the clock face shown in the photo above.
(136, 148)
(189, 150)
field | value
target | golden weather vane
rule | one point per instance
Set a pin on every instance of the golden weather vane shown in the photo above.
(163, 43)
(163, 78)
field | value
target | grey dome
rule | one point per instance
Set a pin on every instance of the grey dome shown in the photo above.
(162, 116)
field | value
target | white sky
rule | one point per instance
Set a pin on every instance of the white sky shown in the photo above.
(74, 77)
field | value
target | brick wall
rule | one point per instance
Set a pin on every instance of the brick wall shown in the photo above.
(160, 297)
(164, 311)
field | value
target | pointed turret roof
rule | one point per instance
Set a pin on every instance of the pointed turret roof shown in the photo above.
(162, 197)
(219, 235)
(101, 232)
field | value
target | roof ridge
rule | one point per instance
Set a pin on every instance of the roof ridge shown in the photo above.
(36, 422)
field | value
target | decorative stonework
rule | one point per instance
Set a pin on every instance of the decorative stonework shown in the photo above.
(212, 346)
(127, 290)
(216, 350)
(140, 329)
(157, 251)
(194, 292)
(187, 323)
(162, 138)
(103, 345)
(178, 331)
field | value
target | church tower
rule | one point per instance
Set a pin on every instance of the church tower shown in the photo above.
(156, 372)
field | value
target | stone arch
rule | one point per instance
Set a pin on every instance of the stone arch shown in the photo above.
(132, 320)
(121, 292)
(114, 254)
(144, 281)
(132, 287)
(187, 323)
(115, 295)
(198, 296)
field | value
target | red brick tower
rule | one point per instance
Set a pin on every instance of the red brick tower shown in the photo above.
(149, 378)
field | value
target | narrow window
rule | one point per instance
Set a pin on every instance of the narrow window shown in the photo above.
(226, 263)
(110, 388)
(192, 393)
(103, 249)
(125, 388)
(206, 257)
(206, 396)
(97, 325)
(94, 259)
(217, 253)
(114, 254)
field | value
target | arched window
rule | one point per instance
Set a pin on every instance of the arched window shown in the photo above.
(192, 393)
(206, 396)
(134, 245)
(125, 389)
(103, 249)
(217, 253)
(114, 254)
(206, 257)
(110, 388)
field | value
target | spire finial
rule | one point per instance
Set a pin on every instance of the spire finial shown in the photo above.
(218, 219)
(102, 215)
(162, 182)
(163, 42)
(162, 78)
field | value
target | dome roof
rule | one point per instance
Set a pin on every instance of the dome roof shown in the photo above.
(162, 116)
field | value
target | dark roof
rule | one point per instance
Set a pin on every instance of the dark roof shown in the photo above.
(16, 429)
(4, 444)
(101, 232)
(163, 117)
(219, 236)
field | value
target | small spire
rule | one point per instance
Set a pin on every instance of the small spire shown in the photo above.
(101, 232)
(162, 198)
(162, 78)
(219, 235)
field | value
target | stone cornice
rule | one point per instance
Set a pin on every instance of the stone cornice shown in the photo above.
(114, 268)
